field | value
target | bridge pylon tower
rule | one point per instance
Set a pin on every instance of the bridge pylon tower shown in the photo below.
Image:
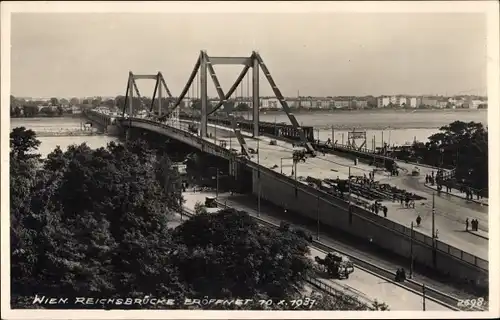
(132, 88)
(204, 66)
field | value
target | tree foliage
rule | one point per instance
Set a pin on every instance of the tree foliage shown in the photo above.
(459, 145)
(242, 107)
(94, 223)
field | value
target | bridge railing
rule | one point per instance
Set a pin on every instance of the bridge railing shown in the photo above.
(342, 204)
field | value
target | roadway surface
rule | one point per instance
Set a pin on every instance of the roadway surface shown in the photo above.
(451, 211)
(365, 285)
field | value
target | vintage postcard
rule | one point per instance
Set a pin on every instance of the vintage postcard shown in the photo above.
(249, 159)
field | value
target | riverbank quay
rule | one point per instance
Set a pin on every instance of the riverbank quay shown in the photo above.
(68, 133)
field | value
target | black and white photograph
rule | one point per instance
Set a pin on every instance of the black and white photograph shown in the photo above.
(167, 158)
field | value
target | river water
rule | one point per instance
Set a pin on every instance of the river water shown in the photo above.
(56, 124)
(396, 127)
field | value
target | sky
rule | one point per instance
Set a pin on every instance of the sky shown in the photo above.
(316, 54)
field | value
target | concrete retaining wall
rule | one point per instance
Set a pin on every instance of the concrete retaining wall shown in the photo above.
(113, 130)
(283, 193)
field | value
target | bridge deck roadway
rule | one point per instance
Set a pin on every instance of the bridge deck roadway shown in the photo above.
(450, 215)
(365, 285)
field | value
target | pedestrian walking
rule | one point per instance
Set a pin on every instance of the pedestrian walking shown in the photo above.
(385, 212)
(418, 220)
(467, 224)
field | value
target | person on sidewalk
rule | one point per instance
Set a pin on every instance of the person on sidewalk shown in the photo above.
(467, 224)
(419, 219)
(385, 212)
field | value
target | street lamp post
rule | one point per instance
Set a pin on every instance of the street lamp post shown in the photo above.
(411, 251)
(349, 186)
(258, 173)
(216, 183)
(423, 297)
(433, 229)
(317, 218)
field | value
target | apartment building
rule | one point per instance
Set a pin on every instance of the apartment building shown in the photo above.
(341, 104)
(269, 103)
(359, 104)
(473, 103)
(322, 104)
(429, 101)
(411, 102)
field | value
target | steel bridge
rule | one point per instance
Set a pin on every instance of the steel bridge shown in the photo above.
(203, 68)
(161, 110)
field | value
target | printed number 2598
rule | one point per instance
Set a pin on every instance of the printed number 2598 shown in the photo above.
(470, 303)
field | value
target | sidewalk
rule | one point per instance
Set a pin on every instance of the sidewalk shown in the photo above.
(458, 194)
(480, 233)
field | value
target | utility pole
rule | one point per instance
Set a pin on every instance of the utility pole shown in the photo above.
(433, 213)
(411, 251)
(349, 181)
(423, 297)
(217, 183)
(317, 218)
(383, 144)
(258, 173)
(433, 229)
(333, 135)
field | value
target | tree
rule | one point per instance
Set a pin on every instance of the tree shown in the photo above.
(199, 208)
(110, 103)
(30, 111)
(96, 102)
(23, 178)
(15, 112)
(48, 111)
(459, 145)
(228, 254)
(378, 306)
(22, 143)
(90, 210)
(120, 102)
(74, 101)
(242, 107)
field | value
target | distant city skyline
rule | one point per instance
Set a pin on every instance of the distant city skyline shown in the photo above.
(328, 54)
